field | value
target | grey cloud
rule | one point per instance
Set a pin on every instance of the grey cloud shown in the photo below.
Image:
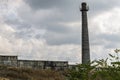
(109, 41)
(43, 4)
(71, 37)
(110, 37)
(69, 6)
(70, 13)
(99, 6)
(57, 28)
(112, 45)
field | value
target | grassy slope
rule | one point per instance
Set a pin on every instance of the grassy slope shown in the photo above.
(29, 74)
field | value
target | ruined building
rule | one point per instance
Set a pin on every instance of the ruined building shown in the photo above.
(34, 64)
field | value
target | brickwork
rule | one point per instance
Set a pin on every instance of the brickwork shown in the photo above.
(85, 35)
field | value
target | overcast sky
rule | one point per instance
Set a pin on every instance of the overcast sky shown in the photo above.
(51, 29)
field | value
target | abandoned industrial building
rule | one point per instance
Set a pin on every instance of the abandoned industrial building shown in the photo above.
(34, 64)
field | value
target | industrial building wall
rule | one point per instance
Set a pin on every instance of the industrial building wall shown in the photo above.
(57, 65)
(30, 64)
(34, 64)
(8, 60)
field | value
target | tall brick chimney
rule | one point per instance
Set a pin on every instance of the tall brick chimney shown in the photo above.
(85, 35)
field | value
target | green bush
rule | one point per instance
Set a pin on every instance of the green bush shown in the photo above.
(97, 69)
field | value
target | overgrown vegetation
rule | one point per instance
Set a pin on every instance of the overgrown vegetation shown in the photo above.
(29, 74)
(98, 69)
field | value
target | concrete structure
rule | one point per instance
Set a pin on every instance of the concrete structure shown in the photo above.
(31, 64)
(8, 60)
(34, 64)
(56, 65)
(85, 35)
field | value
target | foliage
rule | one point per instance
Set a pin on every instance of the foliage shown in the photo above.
(98, 69)
(82, 72)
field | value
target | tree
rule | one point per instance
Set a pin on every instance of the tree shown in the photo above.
(98, 69)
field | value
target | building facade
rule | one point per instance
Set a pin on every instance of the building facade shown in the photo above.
(8, 60)
(33, 64)
(56, 65)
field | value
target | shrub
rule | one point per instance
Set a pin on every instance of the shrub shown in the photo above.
(97, 70)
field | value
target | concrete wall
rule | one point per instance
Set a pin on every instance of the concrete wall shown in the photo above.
(57, 65)
(34, 64)
(8, 60)
(31, 64)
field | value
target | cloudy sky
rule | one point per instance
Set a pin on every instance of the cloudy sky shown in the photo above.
(51, 29)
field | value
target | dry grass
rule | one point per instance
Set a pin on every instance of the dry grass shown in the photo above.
(29, 74)
(2, 78)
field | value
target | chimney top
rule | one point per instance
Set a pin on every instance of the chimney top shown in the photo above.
(84, 6)
(84, 3)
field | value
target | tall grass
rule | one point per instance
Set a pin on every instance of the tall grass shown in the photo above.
(29, 74)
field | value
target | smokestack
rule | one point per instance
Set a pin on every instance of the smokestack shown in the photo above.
(85, 35)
